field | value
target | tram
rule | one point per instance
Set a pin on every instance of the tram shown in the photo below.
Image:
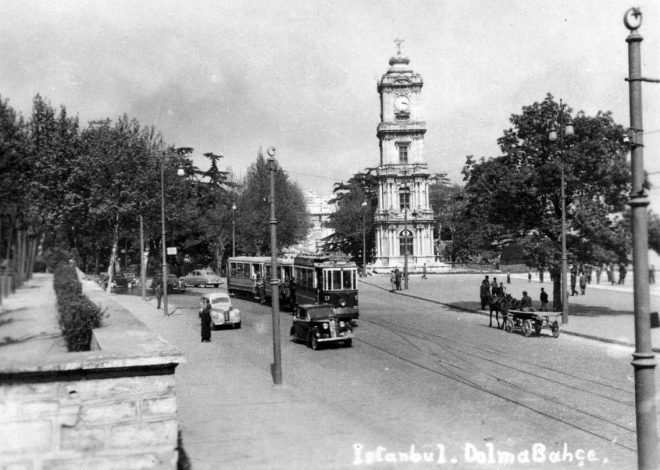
(327, 279)
(249, 276)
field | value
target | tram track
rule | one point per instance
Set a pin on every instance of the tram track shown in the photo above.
(462, 367)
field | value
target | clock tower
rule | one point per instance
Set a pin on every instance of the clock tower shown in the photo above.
(404, 218)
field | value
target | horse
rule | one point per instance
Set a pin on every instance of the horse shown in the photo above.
(500, 304)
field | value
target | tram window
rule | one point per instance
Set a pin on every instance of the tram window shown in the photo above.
(336, 280)
(348, 279)
(238, 270)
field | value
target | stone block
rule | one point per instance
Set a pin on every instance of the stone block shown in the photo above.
(147, 386)
(83, 438)
(142, 435)
(26, 436)
(39, 408)
(142, 461)
(109, 412)
(158, 406)
(17, 465)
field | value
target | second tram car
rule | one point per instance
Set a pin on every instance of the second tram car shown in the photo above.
(327, 279)
(249, 276)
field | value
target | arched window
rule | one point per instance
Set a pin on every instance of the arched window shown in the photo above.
(406, 243)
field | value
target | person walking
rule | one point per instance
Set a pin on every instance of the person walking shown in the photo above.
(424, 271)
(583, 282)
(508, 277)
(622, 273)
(598, 273)
(610, 273)
(397, 278)
(544, 300)
(158, 292)
(529, 275)
(573, 282)
(393, 281)
(205, 317)
(484, 293)
(652, 275)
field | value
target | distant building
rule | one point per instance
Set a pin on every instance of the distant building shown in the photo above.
(319, 213)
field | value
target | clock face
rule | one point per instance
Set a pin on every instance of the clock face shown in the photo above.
(402, 104)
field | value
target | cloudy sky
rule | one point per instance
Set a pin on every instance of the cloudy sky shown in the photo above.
(229, 76)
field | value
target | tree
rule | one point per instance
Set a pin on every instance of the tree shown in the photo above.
(350, 215)
(253, 210)
(519, 192)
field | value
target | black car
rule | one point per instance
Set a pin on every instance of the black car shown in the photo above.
(173, 283)
(315, 324)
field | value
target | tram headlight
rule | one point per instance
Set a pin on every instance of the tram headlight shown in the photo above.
(342, 324)
(325, 326)
(342, 302)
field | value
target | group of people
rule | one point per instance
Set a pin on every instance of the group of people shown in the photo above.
(491, 289)
(395, 279)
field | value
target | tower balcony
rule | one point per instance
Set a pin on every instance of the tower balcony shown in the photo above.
(401, 127)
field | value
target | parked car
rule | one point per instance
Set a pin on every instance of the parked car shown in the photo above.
(126, 279)
(202, 277)
(223, 313)
(315, 324)
(173, 283)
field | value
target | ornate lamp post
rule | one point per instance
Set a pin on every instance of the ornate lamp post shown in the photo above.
(274, 281)
(233, 231)
(565, 130)
(643, 357)
(364, 238)
(163, 242)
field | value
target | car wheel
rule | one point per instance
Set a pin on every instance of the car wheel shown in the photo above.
(348, 343)
(216, 285)
(314, 343)
(237, 325)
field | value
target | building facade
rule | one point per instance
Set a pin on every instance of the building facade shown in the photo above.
(404, 218)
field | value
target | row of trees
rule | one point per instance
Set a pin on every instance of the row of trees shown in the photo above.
(516, 197)
(87, 191)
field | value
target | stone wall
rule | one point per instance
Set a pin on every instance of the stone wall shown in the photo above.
(111, 408)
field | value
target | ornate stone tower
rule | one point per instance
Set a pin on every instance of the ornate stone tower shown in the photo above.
(404, 219)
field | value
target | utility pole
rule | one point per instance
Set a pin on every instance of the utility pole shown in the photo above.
(274, 281)
(643, 358)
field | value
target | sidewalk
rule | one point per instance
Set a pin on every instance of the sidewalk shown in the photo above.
(605, 314)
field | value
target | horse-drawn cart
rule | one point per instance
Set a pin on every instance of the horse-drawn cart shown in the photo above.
(530, 321)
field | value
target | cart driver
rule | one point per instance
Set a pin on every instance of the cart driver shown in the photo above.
(525, 302)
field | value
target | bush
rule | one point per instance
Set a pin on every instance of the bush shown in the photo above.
(78, 315)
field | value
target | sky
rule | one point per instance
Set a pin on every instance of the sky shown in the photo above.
(229, 77)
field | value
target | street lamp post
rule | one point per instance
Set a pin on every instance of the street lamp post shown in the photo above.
(364, 238)
(643, 358)
(163, 241)
(233, 231)
(274, 281)
(565, 130)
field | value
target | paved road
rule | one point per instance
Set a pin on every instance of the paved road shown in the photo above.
(418, 374)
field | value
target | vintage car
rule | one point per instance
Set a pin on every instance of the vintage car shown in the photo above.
(223, 313)
(315, 324)
(201, 277)
(173, 283)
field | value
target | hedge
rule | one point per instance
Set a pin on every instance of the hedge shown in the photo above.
(78, 315)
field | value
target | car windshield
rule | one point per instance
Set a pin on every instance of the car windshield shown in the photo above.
(220, 300)
(320, 312)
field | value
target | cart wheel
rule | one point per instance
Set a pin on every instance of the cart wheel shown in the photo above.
(555, 330)
(508, 326)
(527, 328)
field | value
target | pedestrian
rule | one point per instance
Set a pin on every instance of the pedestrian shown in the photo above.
(424, 271)
(484, 293)
(573, 282)
(529, 275)
(599, 271)
(493, 286)
(652, 275)
(397, 278)
(583, 282)
(544, 300)
(261, 289)
(501, 291)
(508, 277)
(525, 302)
(159, 293)
(541, 274)
(610, 273)
(205, 318)
(622, 273)
(393, 281)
